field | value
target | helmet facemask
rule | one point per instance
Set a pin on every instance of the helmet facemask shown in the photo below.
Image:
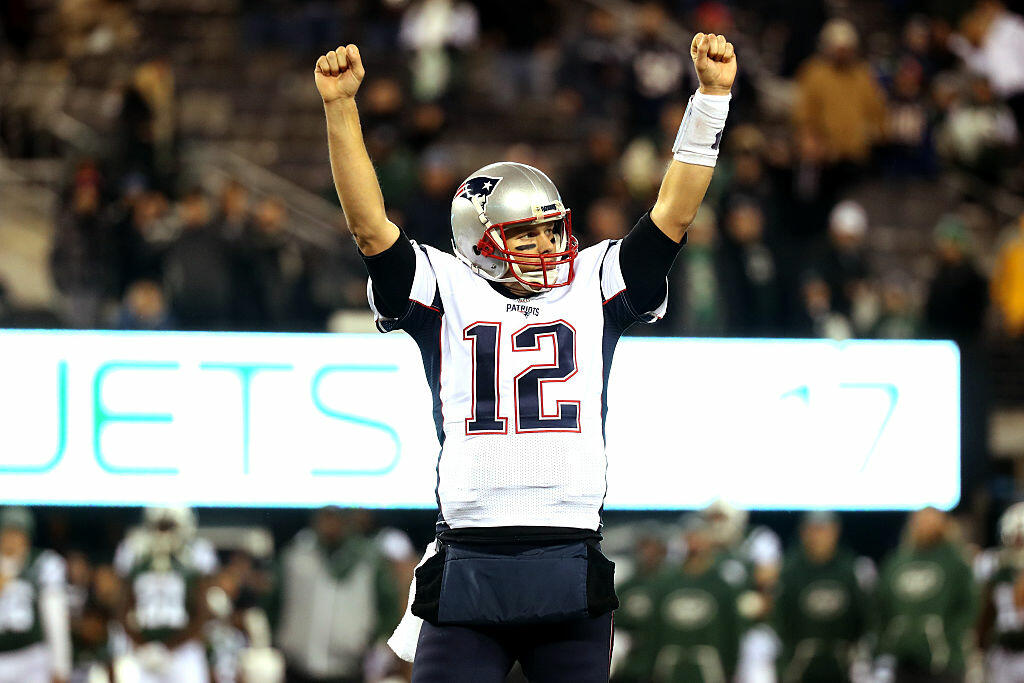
(535, 271)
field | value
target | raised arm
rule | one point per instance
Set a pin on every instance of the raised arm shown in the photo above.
(338, 75)
(696, 147)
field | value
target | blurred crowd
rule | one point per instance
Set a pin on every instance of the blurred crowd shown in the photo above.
(707, 598)
(199, 263)
(795, 239)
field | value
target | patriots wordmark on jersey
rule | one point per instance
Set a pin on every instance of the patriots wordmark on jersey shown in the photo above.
(519, 388)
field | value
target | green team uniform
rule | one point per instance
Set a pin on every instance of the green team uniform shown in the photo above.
(20, 624)
(163, 598)
(635, 617)
(696, 626)
(820, 614)
(1008, 623)
(925, 603)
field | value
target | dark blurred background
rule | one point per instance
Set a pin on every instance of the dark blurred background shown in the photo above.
(163, 166)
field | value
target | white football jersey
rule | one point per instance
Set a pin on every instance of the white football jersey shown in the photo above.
(519, 388)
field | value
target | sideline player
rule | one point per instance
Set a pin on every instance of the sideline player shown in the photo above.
(165, 613)
(1001, 624)
(35, 637)
(517, 331)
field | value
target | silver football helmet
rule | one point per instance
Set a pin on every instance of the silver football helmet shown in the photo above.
(1011, 526)
(502, 195)
(1011, 534)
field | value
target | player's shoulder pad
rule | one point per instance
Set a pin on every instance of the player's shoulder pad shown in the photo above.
(203, 556)
(129, 550)
(50, 569)
(763, 546)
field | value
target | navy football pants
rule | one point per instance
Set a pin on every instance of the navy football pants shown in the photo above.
(578, 651)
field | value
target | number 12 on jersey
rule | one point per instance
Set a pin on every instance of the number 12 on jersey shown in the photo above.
(485, 338)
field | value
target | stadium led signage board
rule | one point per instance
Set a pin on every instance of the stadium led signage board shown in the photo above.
(97, 418)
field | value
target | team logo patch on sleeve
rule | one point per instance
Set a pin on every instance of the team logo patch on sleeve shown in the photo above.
(479, 188)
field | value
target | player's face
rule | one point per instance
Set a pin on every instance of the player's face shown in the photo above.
(820, 540)
(531, 238)
(927, 527)
(13, 543)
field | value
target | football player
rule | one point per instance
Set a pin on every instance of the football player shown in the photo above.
(165, 611)
(634, 621)
(516, 329)
(925, 604)
(1001, 625)
(35, 635)
(696, 625)
(821, 606)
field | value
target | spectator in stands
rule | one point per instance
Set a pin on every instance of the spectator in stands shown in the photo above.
(436, 31)
(146, 126)
(917, 47)
(590, 176)
(594, 64)
(331, 569)
(396, 168)
(821, 610)
(429, 218)
(197, 268)
(426, 126)
(750, 277)
(695, 283)
(606, 220)
(843, 262)
(80, 260)
(644, 159)
(144, 308)
(979, 135)
(154, 82)
(818, 318)
(267, 267)
(805, 190)
(925, 604)
(898, 318)
(991, 43)
(658, 69)
(1008, 281)
(696, 624)
(139, 240)
(749, 177)
(839, 103)
(958, 293)
(909, 150)
(232, 217)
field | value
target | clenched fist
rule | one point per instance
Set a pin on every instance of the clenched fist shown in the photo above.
(339, 73)
(715, 61)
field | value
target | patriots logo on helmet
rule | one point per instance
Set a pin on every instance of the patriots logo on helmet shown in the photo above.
(478, 187)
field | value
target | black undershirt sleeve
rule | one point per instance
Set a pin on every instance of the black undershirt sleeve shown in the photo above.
(392, 272)
(646, 256)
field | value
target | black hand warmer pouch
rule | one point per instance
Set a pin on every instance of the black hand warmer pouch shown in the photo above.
(478, 585)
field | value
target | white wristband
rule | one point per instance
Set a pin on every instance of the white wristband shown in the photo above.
(700, 133)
